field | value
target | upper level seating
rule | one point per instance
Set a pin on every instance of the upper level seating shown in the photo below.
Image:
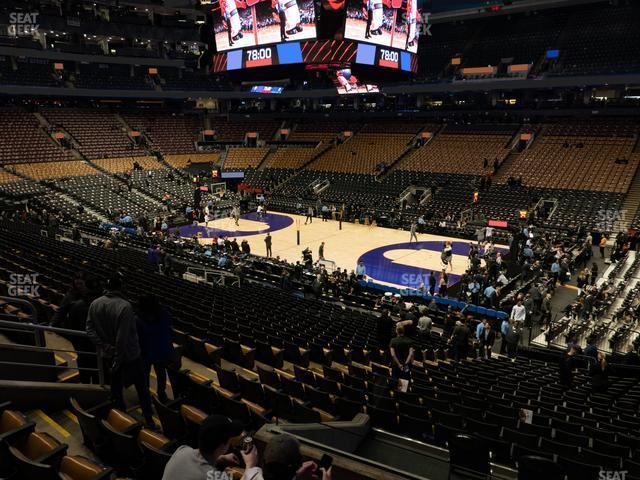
(41, 171)
(522, 38)
(600, 40)
(23, 140)
(576, 162)
(362, 153)
(398, 127)
(239, 158)
(181, 161)
(291, 157)
(167, 133)
(610, 127)
(110, 77)
(29, 71)
(98, 133)
(437, 50)
(6, 177)
(236, 131)
(125, 164)
(171, 79)
(325, 131)
(458, 153)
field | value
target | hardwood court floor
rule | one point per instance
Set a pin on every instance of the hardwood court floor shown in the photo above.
(388, 256)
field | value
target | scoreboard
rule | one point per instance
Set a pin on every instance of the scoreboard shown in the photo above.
(315, 52)
(380, 56)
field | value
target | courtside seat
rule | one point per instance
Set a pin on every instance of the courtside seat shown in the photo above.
(81, 468)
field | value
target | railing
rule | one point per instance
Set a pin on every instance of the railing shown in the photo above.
(38, 332)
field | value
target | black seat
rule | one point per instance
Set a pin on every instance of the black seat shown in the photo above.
(572, 439)
(92, 433)
(442, 434)
(612, 449)
(605, 461)
(347, 409)
(268, 354)
(320, 399)
(532, 467)
(452, 420)
(383, 418)
(172, 422)
(304, 414)
(466, 453)
(521, 438)
(295, 354)
(578, 469)
(559, 448)
(155, 461)
(483, 428)
(416, 428)
(228, 379)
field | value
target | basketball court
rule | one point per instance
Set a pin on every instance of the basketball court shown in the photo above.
(387, 254)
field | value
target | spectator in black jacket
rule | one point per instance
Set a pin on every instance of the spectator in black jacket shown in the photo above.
(111, 324)
(460, 340)
(154, 332)
(567, 366)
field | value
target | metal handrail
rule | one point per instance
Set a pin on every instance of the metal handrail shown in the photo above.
(7, 325)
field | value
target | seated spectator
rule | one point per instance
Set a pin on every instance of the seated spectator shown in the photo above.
(283, 460)
(211, 457)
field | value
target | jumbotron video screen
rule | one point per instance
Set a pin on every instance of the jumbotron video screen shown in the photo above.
(250, 23)
(389, 23)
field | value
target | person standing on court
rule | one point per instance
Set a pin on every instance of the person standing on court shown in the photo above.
(432, 283)
(321, 251)
(112, 326)
(602, 245)
(325, 213)
(267, 242)
(309, 215)
(414, 227)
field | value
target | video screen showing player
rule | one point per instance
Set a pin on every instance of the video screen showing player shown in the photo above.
(391, 23)
(249, 23)
(347, 83)
(407, 29)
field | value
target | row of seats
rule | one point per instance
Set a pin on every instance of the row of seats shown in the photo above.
(97, 134)
(125, 164)
(28, 454)
(240, 158)
(579, 163)
(24, 141)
